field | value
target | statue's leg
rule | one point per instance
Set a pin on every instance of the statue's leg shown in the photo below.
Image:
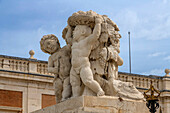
(111, 71)
(88, 80)
(104, 84)
(66, 89)
(58, 87)
(75, 83)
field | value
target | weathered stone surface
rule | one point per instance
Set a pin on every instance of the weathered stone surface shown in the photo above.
(92, 104)
(91, 67)
(59, 64)
(167, 71)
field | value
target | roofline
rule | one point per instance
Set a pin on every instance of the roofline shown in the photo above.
(19, 58)
(35, 74)
(148, 76)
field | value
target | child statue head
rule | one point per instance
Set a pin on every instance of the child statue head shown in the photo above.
(81, 30)
(49, 44)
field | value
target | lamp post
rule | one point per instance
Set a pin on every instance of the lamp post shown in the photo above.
(152, 99)
(129, 54)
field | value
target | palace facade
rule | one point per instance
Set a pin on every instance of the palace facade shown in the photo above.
(26, 85)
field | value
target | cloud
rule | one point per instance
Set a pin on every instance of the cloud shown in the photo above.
(153, 24)
(160, 1)
(157, 54)
(155, 28)
(165, 1)
(167, 58)
(127, 19)
(159, 72)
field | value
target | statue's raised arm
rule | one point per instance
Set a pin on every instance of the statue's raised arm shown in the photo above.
(97, 30)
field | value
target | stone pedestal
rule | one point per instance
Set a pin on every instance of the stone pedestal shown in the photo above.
(92, 104)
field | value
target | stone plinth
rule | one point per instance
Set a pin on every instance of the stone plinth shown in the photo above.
(91, 104)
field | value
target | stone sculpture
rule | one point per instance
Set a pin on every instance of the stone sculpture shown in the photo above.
(58, 64)
(93, 47)
(83, 40)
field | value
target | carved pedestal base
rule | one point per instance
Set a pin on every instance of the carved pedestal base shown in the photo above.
(92, 104)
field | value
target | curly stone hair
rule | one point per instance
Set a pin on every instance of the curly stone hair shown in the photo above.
(44, 38)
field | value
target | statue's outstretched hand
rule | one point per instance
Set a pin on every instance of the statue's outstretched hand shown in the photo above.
(98, 20)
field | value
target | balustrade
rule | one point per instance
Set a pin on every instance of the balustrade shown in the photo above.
(139, 81)
(13, 64)
(42, 68)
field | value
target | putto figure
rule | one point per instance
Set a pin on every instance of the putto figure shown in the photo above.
(58, 64)
(83, 40)
(88, 64)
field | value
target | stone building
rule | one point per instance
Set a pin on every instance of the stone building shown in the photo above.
(26, 86)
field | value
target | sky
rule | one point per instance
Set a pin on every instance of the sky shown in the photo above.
(24, 22)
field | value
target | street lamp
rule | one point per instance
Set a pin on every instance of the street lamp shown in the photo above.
(152, 99)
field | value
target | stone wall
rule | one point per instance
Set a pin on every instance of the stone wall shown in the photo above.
(24, 75)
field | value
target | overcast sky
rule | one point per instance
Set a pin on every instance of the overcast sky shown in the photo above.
(24, 22)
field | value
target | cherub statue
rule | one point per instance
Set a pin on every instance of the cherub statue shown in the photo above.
(105, 60)
(105, 57)
(114, 60)
(58, 64)
(83, 40)
(95, 56)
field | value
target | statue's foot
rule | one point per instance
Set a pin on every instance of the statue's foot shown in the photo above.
(63, 99)
(74, 96)
(100, 93)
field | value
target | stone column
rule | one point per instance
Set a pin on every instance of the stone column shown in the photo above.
(32, 67)
(6, 64)
(165, 95)
(34, 97)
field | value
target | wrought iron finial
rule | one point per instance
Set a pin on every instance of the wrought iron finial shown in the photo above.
(152, 99)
